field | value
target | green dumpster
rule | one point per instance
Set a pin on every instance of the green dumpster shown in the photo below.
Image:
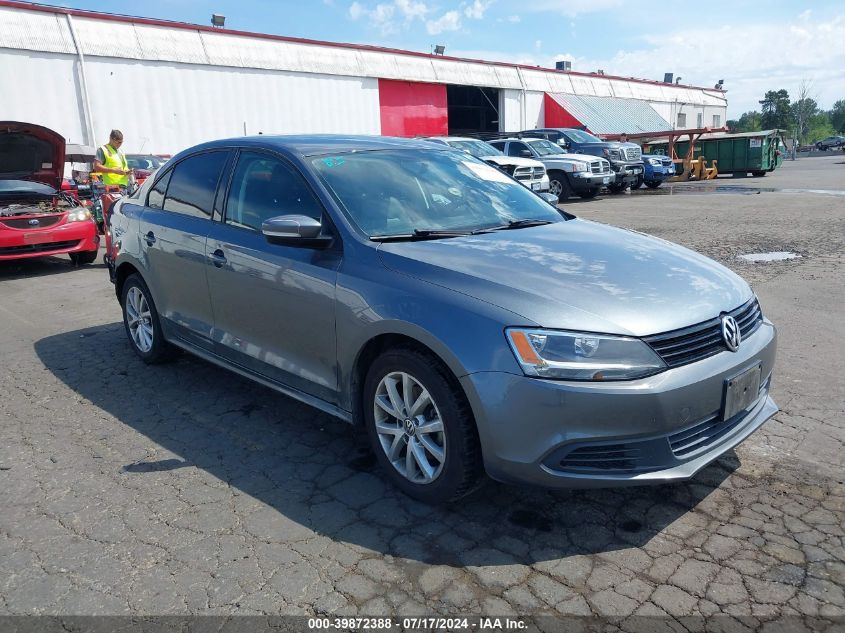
(754, 152)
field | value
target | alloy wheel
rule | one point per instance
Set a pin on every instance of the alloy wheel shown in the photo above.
(139, 319)
(555, 187)
(409, 427)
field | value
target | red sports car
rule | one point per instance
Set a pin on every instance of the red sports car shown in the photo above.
(36, 217)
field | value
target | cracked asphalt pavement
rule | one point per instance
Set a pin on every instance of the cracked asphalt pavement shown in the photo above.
(184, 489)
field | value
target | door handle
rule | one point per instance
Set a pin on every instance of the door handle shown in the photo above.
(150, 238)
(218, 258)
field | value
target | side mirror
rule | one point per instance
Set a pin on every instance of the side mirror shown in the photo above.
(526, 152)
(551, 198)
(294, 230)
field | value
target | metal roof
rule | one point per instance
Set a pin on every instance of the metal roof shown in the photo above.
(727, 135)
(30, 26)
(612, 115)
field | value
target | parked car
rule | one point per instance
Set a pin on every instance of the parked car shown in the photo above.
(657, 169)
(625, 158)
(36, 217)
(568, 173)
(530, 172)
(144, 164)
(453, 316)
(831, 142)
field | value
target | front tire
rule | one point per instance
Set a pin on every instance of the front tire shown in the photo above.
(420, 427)
(559, 185)
(588, 195)
(652, 184)
(80, 258)
(140, 319)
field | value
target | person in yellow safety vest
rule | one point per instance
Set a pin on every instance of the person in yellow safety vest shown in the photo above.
(110, 161)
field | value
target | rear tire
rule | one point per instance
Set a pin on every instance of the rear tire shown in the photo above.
(559, 185)
(140, 319)
(439, 460)
(81, 258)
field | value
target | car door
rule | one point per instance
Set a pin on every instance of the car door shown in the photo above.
(518, 148)
(174, 227)
(274, 305)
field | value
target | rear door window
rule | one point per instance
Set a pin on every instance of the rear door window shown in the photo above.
(264, 187)
(194, 183)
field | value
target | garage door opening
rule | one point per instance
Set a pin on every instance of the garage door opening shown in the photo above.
(473, 111)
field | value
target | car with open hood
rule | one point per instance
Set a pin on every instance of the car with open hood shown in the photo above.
(458, 320)
(37, 218)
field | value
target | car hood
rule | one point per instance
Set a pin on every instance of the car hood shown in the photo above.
(519, 161)
(577, 275)
(31, 152)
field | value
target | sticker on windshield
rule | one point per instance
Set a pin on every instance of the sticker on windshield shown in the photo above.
(485, 172)
(333, 161)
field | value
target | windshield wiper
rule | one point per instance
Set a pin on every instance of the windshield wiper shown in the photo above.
(514, 224)
(420, 234)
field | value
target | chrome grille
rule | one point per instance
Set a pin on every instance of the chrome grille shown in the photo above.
(538, 172)
(522, 173)
(600, 167)
(23, 223)
(632, 153)
(694, 343)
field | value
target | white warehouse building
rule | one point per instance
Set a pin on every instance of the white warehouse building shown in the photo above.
(170, 85)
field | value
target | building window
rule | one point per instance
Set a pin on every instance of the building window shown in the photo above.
(717, 120)
(699, 121)
(682, 120)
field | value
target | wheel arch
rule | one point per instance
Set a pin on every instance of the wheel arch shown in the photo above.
(383, 341)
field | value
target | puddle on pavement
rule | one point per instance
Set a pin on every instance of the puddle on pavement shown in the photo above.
(775, 256)
(694, 189)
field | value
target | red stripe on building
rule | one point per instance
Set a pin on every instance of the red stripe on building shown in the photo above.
(412, 109)
(556, 116)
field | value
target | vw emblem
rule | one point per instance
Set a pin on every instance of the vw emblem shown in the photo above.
(731, 332)
(33, 222)
(409, 427)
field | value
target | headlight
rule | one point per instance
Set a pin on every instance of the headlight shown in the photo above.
(79, 215)
(655, 161)
(582, 356)
(579, 167)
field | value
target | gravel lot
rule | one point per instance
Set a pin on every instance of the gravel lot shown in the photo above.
(184, 489)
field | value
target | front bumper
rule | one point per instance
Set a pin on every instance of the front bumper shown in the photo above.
(627, 173)
(658, 174)
(586, 181)
(530, 428)
(71, 237)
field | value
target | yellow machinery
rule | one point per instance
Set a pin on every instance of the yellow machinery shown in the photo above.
(688, 167)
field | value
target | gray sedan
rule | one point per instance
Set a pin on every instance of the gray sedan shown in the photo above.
(451, 314)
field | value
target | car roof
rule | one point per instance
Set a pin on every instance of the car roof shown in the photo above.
(319, 144)
(519, 138)
(454, 138)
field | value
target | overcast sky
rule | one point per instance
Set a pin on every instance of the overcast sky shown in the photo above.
(753, 46)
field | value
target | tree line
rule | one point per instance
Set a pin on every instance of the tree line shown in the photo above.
(801, 118)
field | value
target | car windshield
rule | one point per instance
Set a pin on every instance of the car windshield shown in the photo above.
(476, 148)
(546, 148)
(579, 136)
(400, 192)
(143, 162)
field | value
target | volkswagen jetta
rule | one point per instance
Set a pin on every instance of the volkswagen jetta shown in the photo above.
(462, 322)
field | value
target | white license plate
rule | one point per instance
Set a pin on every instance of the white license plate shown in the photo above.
(605, 180)
(535, 186)
(741, 391)
(37, 238)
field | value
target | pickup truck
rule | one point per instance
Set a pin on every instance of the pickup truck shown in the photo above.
(625, 158)
(569, 174)
(531, 173)
(657, 169)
